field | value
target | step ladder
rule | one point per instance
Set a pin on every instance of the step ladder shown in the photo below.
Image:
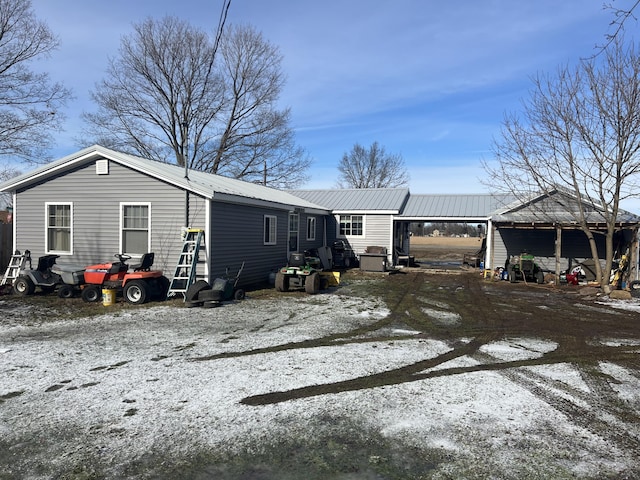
(16, 263)
(185, 272)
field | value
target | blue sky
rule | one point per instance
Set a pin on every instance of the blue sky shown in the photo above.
(429, 80)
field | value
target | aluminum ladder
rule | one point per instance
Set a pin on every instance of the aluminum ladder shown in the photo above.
(16, 263)
(185, 272)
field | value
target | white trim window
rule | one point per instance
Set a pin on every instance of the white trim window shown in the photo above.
(270, 229)
(311, 228)
(59, 227)
(294, 222)
(351, 225)
(135, 228)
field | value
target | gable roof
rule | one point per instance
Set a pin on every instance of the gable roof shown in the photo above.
(215, 187)
(358, 200)
(556, 207)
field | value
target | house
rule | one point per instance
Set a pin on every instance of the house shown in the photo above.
(97, 202)
(90, 205)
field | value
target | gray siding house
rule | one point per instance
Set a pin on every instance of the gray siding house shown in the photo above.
(97, 202)
(364, 217)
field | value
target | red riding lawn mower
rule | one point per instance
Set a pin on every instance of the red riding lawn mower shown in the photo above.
(137, 286)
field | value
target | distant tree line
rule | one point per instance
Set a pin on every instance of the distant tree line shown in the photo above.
(447, 229)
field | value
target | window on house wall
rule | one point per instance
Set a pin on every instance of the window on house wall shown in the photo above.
(270, 229)
(311, 228)
(135, 231)
(59, 228)
(294, 222)
(351, 225)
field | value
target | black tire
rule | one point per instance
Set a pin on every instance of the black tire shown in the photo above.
(239, 294)
(91, 293)
(312, 284)
(540, 277)
(47, 289)
(210, 295)
(211, 304)
(282, 282)
(193, 291)
(161, 288)
(324, 283)
(635, 288)
(23, 286)
(136, 292)
(66, 291)
(193, 304)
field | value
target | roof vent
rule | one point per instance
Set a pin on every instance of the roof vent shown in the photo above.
(102, 167)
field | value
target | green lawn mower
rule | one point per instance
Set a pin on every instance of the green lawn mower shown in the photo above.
(523, 267)
(301, 272)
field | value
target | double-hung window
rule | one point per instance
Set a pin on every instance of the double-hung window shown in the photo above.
(59, 227)
(311, 228)
(270, 229)
(351, 225)
(135, 228)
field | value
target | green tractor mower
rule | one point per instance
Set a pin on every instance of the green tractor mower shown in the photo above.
(301, 272)
(523, 267)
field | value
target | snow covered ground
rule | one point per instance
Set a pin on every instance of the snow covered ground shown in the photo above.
(97, 395)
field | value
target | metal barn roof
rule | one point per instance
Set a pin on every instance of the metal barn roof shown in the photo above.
(453, 207)
(206, 184)
(354, 200)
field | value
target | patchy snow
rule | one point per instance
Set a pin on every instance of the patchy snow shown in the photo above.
(121, 385)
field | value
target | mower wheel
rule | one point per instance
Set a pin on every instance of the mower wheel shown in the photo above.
(635, 288)
(312, 284)
(540, 277)
(239, 294)
(66, 291)
(282, 282)
(23, 286)
(160, 287)
(91, 293)
(136, 292)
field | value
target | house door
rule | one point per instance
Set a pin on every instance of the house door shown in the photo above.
(294, 227)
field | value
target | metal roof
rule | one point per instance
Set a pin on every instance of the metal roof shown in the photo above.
(453, 206)
(205, 184)
(354, 200)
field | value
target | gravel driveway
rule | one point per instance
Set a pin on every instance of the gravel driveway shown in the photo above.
(412, 375)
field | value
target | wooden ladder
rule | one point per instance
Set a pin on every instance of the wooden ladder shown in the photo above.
(185, 273)
(16, 263)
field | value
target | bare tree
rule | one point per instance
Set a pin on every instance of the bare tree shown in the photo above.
(29, 101)
(168, 96)
(371, 168)
(579, 134)
(620, 18)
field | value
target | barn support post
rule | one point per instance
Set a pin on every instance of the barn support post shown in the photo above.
(558, 253)
(488, 254)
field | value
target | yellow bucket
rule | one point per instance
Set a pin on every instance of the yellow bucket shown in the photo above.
(333, 278)
(108, 296)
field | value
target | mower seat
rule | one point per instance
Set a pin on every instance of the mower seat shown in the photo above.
(145, 263)
(297, 259)
(46, 262)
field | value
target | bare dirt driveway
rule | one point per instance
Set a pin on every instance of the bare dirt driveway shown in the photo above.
(413, 375)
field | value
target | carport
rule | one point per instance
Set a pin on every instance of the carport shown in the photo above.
(513, 226)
